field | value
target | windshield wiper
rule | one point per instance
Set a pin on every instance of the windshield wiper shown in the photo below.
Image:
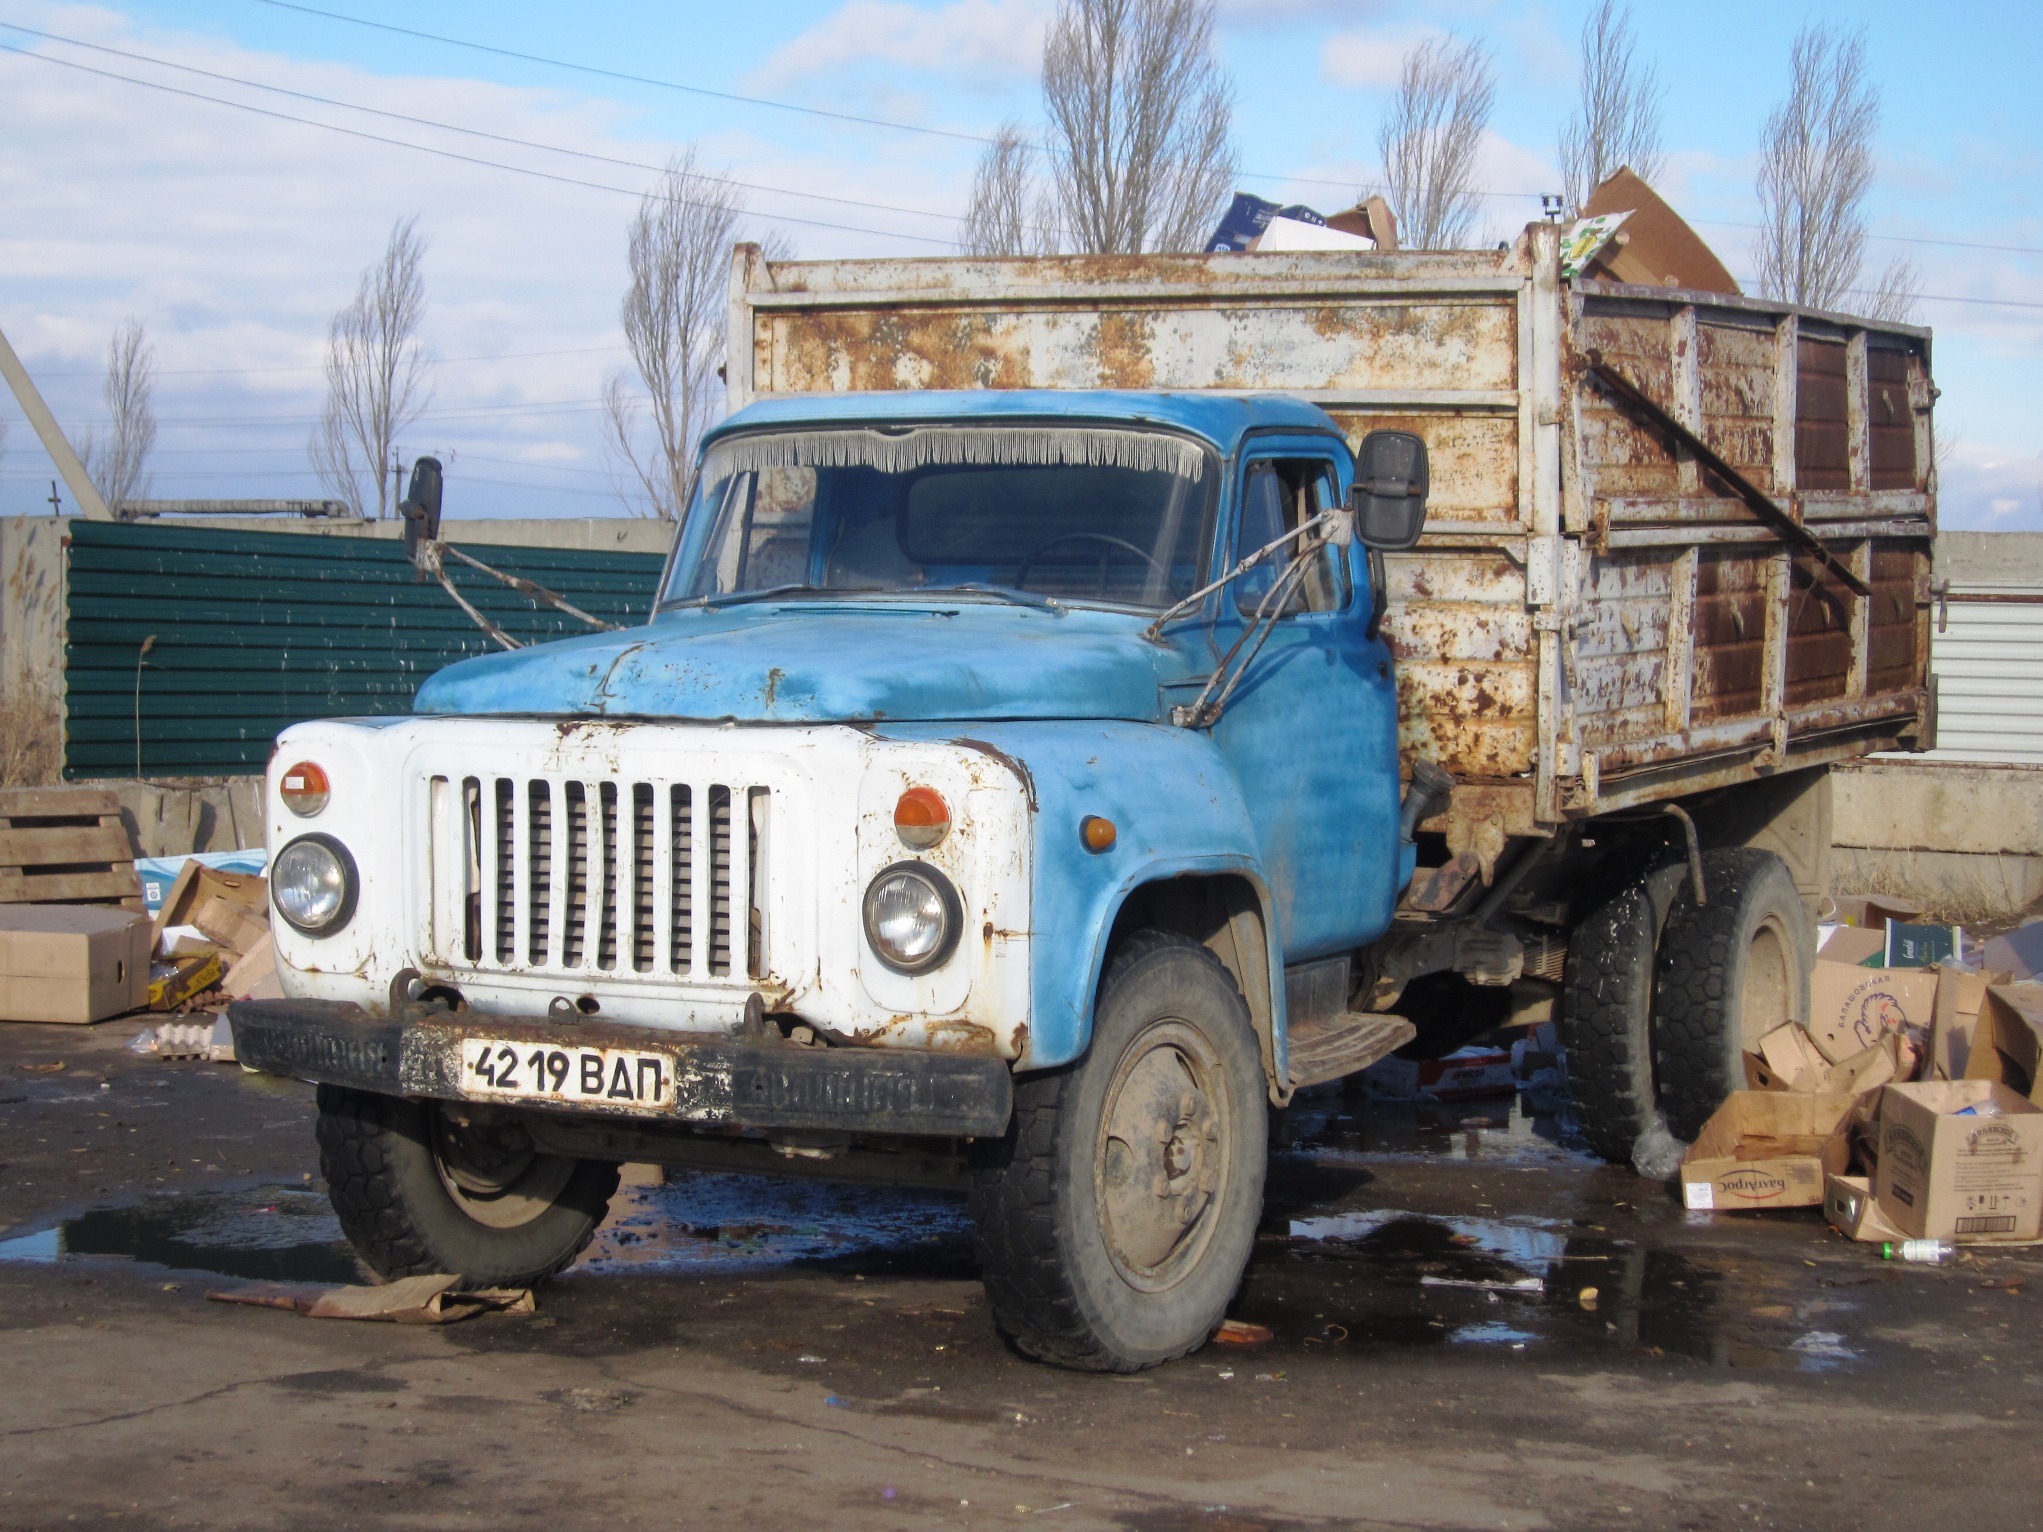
(738, 597)
(1005, 593)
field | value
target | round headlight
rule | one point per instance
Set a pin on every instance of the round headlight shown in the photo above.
(912, 916)
(313, 884)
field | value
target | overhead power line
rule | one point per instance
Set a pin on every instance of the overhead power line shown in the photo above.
(447, 154)
(632, 79)
(451, 127)
(952, 133)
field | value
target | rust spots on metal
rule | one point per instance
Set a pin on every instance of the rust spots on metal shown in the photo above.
(1021, 771)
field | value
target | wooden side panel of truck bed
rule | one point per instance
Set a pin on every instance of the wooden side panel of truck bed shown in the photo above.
(1593, 619)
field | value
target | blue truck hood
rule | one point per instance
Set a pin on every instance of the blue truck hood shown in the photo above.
(844, 662)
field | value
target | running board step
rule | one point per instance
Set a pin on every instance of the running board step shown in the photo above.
(1339, 1045)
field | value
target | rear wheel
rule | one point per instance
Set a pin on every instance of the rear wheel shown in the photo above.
(1731, 970)
(427, 1187)
(1607, 1011)
(1115, 1219)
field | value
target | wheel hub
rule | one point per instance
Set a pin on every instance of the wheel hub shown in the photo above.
(491, 1168)
(1161, 1159)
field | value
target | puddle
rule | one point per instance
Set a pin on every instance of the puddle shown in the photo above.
(1494, 1130)
(1387, 1279)
(265, 1234)
(703, 1220)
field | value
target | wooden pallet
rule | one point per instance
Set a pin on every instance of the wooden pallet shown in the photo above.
(65, 845)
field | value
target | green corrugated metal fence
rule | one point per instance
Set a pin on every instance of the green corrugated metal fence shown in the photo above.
(258, 630)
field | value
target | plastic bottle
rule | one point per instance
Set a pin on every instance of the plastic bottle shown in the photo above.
(1923, 1251)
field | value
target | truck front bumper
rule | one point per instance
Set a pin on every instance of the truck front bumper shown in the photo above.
(718, 1084)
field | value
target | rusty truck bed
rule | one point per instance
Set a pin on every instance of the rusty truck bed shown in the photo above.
(1615, 602)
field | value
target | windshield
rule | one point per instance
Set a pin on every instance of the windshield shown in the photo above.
(1120, 517)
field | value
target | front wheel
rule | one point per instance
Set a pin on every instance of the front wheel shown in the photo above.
(424, 1187)
(1115, 1220)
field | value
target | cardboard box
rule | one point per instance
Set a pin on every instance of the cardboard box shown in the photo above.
(1946, 1172)
(231, 925)
(1850, 1207)
(1766, 1149)
(1873, 911)
(199, 884)
(72, 962)
(1790, 1060)
(2007, 1040)
(1851, 944)
(1851, 1009)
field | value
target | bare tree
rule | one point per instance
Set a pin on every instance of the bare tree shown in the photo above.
(1618, 121)
(1006, 213)
(1894, 296)
(1815, 167)
(377, 379)
(117, 461)
(679, 253)
(1429, 140)
(1141, 113)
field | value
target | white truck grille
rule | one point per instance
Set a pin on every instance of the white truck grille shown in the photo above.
(545, 874)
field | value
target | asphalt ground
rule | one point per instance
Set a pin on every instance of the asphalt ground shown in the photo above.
(753, 1353)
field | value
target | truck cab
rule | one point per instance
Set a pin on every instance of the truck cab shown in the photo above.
(1001, 783)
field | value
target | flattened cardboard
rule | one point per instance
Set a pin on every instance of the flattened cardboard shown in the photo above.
(1943, 1175)
(2007, 1042)
(1766, 1149)
(70, 963)
(1851, 1009)
(1661, 250)
(1790, 1060)
(1850, 1207)
(1959, 996)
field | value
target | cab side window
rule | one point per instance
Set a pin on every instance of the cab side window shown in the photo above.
(1278, 495)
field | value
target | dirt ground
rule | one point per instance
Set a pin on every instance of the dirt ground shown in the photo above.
(747, 1353)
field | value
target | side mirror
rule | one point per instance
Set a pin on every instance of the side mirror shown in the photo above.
(421, 506)
(1389, 498)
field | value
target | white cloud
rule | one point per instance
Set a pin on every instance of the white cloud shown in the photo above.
(1242, 12)
(236, 236)
(1367, 58)
(971, 37)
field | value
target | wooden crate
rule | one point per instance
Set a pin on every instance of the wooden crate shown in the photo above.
(65, 845)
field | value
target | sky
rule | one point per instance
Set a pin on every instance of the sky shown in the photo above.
(234, 234)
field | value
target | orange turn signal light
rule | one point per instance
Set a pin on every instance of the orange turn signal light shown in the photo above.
(921, 818)
(1097, 833)
(304, 789)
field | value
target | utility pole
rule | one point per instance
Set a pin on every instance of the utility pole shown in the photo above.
(396, 481)
(52, 436)
(56, 505)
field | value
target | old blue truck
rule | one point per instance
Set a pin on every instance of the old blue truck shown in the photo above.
(1089, 702)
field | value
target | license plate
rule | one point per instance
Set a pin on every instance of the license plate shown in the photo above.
(612, 1077)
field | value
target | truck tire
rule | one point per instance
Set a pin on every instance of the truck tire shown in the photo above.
(419, 1192)
(1115, 1219)
(1607, 1011)
(1731, 970)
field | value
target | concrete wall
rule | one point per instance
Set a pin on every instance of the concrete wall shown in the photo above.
(168, 816)
(1964, 840)
(31, 649)
(606, 534)
(1990, 558)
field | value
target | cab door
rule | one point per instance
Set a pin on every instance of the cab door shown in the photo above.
(1311, 730)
